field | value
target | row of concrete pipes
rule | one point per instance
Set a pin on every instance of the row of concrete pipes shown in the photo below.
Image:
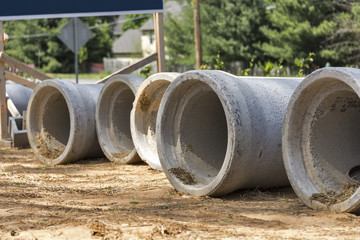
(212, 132)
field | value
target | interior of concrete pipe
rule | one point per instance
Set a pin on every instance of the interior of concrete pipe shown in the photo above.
(334, 139)
(117, 126)
(202, 136)
(53, 124)
(146, 113)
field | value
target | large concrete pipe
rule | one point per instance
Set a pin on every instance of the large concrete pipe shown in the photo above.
(143, 116)
(61, 121)
(113, 118)
(19, 95)
(218, 133)
(321, 139)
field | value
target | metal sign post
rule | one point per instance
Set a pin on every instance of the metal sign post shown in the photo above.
(76, 50)
(75, 35)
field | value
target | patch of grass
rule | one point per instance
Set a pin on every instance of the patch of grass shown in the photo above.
(134, 202)
(92, 76)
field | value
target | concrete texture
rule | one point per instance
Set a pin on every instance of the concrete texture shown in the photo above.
(143, 116)
(321, 138)
(113, 118)
(61, 121)
(218, 133)
(18, 133)
(19, 94)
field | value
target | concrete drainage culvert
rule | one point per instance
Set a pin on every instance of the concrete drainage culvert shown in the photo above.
(113, 118)
(217, 133)
(321, 139)
(19, 95)
(61, 121)
(144, 114)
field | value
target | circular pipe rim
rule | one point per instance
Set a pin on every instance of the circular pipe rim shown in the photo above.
(348, 76)
(63, 88)
(143, 149)
(131, 82)
(224, 94)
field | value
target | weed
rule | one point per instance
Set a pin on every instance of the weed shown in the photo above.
(305, 63)
(145, 72)
(219, 65)
(247, 71)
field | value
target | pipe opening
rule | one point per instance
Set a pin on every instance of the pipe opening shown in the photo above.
(201, 134)
(335, 138)
(119, 120)
(53, 128)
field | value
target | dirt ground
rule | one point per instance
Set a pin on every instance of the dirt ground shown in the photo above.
(97, 199)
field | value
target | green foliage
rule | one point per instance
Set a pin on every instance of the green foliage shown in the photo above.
(228, 26)
(272, 69)
(179, 34)
(278, 32)
(231, 27)
(146, 71)
(218, 65)
(342, 46)
(305, 64)
(134, 21)
(35, 41)
(298, 27)
(247, 71)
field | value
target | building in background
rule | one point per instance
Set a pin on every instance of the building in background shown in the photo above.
(135, 44)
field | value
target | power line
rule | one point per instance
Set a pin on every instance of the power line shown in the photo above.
(268, 7)
(37, 35)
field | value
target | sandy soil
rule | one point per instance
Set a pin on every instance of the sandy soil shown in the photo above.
(96, 199)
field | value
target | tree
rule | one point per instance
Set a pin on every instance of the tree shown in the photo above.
(299, 27)
(231, 28)
(134, 21)
(228, 26)
(179, 35)
(35, 41)
(342, 46)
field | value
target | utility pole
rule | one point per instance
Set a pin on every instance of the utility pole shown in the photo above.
(197, 34)
(159, 36)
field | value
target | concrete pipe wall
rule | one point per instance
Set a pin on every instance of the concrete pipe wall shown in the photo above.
(113, 118)
(219, 133)
(61, 121)
(321, 139)
(143, 116)
(19, 94)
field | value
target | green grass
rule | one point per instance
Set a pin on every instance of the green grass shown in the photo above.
(93, 76)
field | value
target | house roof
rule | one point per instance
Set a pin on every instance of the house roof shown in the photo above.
(173, 8)
(148, 25)
(129, 42)
(117, 30)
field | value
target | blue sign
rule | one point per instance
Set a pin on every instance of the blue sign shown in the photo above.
(25, 9)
